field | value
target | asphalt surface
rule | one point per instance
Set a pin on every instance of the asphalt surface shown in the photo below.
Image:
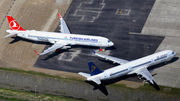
(113, 19)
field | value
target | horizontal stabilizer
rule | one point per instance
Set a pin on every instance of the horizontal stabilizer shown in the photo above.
(84, 74)
(97, 80)
(11, 34)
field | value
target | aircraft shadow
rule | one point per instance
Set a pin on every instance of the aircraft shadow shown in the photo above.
(102, 86)
(57, 52)
(103, 89)
(163, 63)
(155, 85)
(66, 50)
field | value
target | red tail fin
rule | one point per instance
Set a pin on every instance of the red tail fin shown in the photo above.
(13, 24)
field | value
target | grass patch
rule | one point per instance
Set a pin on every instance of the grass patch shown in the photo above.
(149, 88)
(169, 91)
(36, 73)
(14, 95)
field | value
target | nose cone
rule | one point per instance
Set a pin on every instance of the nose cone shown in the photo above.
(174, 54)
(112, 44)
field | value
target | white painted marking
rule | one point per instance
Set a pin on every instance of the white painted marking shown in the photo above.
(75, 53)
(101, 5)
(123, 12)
(89, 7)
(84, 18)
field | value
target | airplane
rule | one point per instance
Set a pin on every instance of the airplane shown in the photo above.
(61, 40)
(138, 66)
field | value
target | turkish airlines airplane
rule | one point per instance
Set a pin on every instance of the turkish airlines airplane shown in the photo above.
(138, 67)
(61, 40)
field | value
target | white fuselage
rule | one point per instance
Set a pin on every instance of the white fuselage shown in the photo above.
(134, 65)
(72, 39)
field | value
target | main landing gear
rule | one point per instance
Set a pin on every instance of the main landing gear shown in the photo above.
(57, 50)
(102, 49)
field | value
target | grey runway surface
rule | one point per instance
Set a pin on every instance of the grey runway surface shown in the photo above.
(113, 19)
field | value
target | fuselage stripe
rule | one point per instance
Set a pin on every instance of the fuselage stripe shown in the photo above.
(119, 72)
(160, 58)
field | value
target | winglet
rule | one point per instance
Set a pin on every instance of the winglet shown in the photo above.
(93, 51)
(59, 15)
(36, 52)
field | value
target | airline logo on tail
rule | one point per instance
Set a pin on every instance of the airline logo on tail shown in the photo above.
(13, 24)
(93, 68)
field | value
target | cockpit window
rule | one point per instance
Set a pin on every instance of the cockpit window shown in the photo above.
(172, 52)
(109, 41)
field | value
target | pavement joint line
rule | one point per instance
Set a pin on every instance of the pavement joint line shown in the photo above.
(173, 37)
(153, 34)
(7, 13)
(172, 66)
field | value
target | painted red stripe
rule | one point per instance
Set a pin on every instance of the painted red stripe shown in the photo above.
(59, 15)
(36, 52)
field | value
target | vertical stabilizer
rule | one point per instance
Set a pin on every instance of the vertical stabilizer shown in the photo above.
(13, 24)
(94, 70)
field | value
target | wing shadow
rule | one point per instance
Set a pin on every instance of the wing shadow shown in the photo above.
(57, 52)
(155, 85)
(102, 86)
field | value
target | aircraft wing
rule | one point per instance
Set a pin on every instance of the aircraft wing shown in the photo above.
(114, 59)
(96, 80)
(145, 73)
(54, 47)
(63, 26)
(84, 74)
(12, 32)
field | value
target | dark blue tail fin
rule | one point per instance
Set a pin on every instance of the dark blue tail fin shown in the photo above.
(94, 70)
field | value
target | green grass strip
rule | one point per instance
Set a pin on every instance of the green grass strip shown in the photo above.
(146, 87)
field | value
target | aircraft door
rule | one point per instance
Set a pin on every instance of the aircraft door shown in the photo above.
(130, 68)
(168, 54)
(100, 41)
(105, 75)
(22, 34)
(105, 42)
(152, 61)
